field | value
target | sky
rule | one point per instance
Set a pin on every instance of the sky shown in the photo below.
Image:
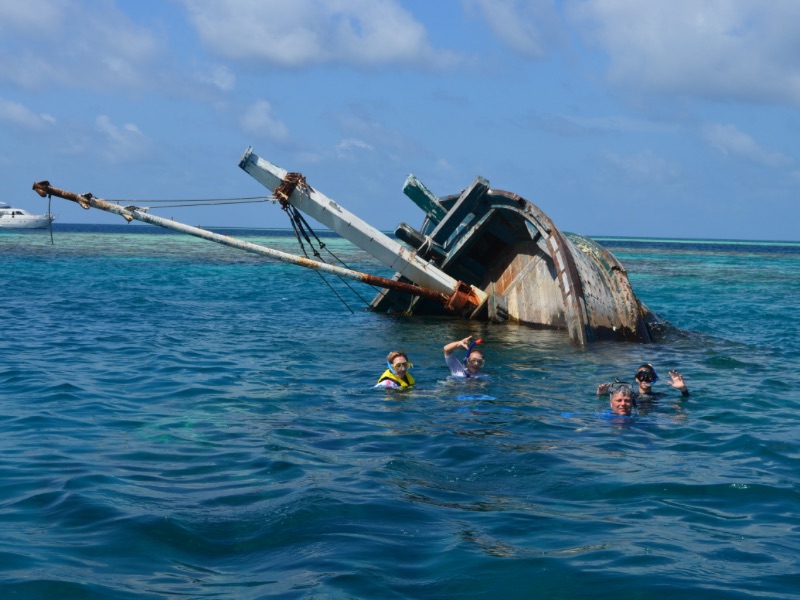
(665, 118)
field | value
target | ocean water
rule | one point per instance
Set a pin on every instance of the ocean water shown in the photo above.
(184, 420)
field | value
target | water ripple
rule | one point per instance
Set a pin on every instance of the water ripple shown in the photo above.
(183, 421)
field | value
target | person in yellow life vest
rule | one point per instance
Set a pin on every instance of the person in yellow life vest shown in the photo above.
(396, 375)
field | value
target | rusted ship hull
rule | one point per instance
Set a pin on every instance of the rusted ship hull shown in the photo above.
(531, 272)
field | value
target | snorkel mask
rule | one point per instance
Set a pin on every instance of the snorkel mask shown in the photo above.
(647, 374)
(405, 362)
(620, 386)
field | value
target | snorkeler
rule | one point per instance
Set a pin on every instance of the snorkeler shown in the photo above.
(473, 363)
(645, 377)
(396, 375)
(620, 398)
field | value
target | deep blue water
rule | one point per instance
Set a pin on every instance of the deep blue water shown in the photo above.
(183, 420)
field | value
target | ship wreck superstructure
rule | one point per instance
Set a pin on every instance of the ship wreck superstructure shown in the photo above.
(482, 254)
(501, 249)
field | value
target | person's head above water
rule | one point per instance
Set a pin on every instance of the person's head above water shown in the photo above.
(646, 376)
(620, 398)
(468, 364)
(474, 361)
(397, 361)
(397, 371)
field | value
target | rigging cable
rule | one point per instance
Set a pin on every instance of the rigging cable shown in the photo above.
(299, 224)
(282, 193)
(250, 200)
(287, 207)
(303, 223)
(202, 202)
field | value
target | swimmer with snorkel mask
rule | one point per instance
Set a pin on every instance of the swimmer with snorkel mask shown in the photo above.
(396, 374)
(645, 377)
(473, 362)
(620, 398)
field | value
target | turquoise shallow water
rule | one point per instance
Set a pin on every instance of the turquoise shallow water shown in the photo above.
(183, 420)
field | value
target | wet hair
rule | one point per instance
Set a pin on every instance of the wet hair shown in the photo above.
(625, 388)
(620, 386)
(394, 354)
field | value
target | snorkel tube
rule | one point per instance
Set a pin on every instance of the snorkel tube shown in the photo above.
(391, 368)
(469, 350)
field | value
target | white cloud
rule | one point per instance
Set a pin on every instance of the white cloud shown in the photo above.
(360, 123)
(259, 119)
(31, 16)
(220, 77)
(444, 165)
(297, 33)
(742, 49)
(21, 116)
(644, 166)
(88, 45)
(121, 144)
(344, 150)
(526, 26)
(345, 147)
(731, 141)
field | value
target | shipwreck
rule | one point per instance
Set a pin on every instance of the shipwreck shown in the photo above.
(481, 254)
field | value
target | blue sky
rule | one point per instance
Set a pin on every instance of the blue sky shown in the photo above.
(666, 118)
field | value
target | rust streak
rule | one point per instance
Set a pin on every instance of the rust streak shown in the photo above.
(285, 189)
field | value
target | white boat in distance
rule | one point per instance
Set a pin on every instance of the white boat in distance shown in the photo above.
(17, 218)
